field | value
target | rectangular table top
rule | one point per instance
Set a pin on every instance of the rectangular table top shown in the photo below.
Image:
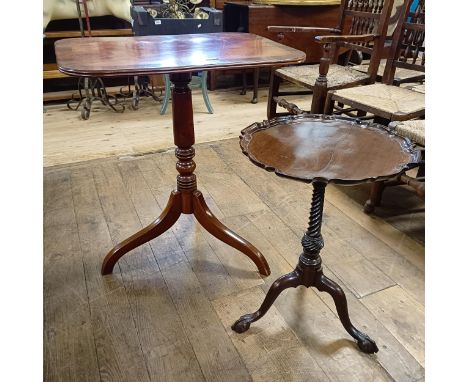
(123, 56)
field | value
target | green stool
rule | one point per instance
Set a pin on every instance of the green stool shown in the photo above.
(198, 81)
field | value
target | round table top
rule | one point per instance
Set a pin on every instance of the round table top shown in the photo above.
(328, 149)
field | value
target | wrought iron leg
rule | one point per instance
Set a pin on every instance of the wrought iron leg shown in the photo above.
(106, 99)
(309, 273)
(136, 94)
(88, 101)
(142, 88)
(94, 90)
(78, 100)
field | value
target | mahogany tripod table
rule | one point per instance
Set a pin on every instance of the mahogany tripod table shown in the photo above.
(178, 56)
(322, 149)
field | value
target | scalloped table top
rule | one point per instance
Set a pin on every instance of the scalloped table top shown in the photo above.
(328, 149)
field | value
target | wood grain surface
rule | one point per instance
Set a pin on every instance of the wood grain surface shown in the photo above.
(122, 56)
(159, 318)
(336, 150)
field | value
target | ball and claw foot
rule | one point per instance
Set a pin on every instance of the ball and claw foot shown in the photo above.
(243, 323)
(367, 345)
(369, 207)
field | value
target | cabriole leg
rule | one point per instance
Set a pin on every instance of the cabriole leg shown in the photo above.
(309, 273)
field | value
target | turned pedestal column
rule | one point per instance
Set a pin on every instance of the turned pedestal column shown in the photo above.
(186, 198)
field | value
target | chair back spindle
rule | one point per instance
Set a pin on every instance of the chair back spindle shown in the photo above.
(361, 17)
(408, 50)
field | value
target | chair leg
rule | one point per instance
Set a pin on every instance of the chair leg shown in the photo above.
(422, 166)
(255, 85)
(318, 100)
(417, 185)
(329, 105)
(244, 83)
(380, 120)
(204, 77)
(273, 92)
(361, 113)
(167, 94)
(375, 197)
(212, 80)
(421, 171)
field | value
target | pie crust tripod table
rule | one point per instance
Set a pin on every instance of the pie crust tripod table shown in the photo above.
(177, 56)
(321, 149)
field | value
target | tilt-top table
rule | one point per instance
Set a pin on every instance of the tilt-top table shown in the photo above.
(178, 56)
(321, 149)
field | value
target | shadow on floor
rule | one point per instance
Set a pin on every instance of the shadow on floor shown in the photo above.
(400, 207)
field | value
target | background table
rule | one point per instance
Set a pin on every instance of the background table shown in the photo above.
(179, 56)
(321, 149)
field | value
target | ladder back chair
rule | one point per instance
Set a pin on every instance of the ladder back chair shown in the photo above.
(393, 105)
(383, 100)
(402, 75)
(362, 27)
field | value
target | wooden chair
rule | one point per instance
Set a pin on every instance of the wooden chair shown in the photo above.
(256, 77)
(383, 100)
(362, 27)
(393, 105)
(402, 75)
(415, 131)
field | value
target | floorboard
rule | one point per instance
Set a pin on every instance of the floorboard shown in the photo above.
(69, 344)
(117, 344)
(165, 313)
(69, 139)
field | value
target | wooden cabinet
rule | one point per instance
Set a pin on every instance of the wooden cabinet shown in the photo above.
(242, 16)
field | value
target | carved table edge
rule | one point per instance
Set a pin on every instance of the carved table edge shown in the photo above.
(248, 132)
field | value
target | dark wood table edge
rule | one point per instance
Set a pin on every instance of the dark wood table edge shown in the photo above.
(272, 63)
(247, 133)
(148, 72)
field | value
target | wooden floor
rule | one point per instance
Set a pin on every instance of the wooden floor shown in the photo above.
(69, 139)
(165, 314)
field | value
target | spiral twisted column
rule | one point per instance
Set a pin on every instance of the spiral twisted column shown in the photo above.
(312, 241)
